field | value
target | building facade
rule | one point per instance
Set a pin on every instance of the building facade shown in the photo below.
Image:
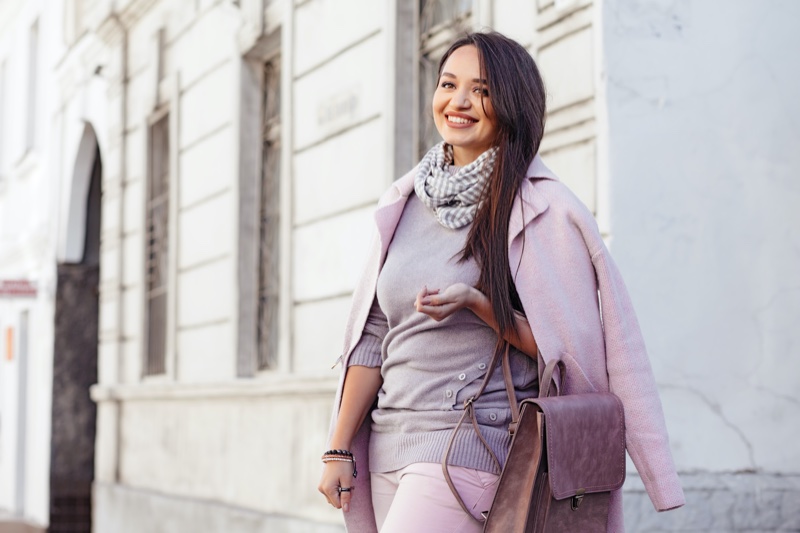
(191, 200)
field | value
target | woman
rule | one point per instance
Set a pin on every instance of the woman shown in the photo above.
(479, 245)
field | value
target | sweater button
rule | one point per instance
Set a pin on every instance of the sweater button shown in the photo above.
(482, 366)
(462, 376)
(492, 417)
(449, 393)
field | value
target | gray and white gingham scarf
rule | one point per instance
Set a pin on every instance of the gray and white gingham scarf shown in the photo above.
(454, 198)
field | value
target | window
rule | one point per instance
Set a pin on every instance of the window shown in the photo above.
(33, 67)
(441, 21)
(564, 34)
(162, 55)
(74, 19)
(3, 117)
(157, 246)
(269, 217)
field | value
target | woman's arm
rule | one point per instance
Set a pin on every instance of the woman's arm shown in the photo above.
(441, 304)
(361, 387)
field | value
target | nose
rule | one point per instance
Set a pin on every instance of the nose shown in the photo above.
(461, 98)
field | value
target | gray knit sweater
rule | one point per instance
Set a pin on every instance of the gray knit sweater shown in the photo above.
(429, 368)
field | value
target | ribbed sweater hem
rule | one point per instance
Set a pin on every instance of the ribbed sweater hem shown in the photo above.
(392, 451)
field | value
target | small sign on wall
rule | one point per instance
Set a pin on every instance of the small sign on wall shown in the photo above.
(17, 288)
(339, 109)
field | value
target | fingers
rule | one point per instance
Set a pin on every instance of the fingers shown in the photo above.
(420, 295)
(423, 297)
(335, 479)
(330, 494)
(344, 497)
(337, 496)
(438, 312)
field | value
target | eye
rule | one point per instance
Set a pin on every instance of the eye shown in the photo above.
(483, 91)
(446, 85)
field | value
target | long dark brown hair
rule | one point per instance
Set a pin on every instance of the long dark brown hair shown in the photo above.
(518, 98)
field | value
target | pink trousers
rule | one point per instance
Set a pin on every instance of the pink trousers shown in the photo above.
(416, 498)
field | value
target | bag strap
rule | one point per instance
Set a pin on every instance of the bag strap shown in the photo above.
(469, 410)
(548, 380)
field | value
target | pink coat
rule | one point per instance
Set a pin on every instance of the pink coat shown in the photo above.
(561, 267)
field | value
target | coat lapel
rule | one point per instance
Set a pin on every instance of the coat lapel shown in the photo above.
(390, 209)
(528, 205)
(387, 216)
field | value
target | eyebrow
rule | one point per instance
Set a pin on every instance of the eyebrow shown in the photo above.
(476, 80)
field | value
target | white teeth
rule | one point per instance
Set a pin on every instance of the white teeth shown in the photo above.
(459, 120)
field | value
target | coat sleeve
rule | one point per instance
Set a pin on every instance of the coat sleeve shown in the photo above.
(631, 379)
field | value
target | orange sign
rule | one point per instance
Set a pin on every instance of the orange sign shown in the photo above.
(9, 344)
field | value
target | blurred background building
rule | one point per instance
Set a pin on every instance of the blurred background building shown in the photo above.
(186, 189)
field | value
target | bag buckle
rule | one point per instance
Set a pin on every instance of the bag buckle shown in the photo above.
(577, 499)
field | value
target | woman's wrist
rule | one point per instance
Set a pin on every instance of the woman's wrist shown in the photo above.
(474, 299)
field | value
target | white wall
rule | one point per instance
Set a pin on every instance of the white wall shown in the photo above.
(703, 134)
(29, 195)
(340, 146)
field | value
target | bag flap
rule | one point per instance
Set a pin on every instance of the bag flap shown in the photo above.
(585, 436)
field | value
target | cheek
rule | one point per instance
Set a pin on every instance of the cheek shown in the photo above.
(491, 120)
(437, 105)
(488, 110)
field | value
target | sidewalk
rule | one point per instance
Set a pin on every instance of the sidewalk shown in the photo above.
(11, 524)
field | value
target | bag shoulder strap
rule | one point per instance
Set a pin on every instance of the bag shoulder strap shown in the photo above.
(469, 409)
(469, 412)
(548, 380)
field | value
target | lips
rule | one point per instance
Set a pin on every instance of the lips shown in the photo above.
(459, 119)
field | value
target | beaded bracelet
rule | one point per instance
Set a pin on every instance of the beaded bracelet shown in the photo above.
(340, 455)
(339, 452)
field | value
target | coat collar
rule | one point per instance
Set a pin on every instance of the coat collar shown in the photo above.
(527, 205)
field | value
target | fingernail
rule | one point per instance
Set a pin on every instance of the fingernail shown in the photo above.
(346, 507)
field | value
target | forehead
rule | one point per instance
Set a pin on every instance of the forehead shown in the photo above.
(464, 62)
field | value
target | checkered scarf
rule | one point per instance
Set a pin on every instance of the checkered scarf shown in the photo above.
(454, 198)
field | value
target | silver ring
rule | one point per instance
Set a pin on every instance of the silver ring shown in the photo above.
(343, 489)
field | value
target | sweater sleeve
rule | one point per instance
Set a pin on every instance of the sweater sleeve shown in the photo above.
(367, 351)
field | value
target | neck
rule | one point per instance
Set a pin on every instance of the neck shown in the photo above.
(463, 156)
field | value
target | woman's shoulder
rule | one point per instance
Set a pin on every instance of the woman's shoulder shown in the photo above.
(557, 203)
(560, 209)
(561, 199)
(542, 186)
(401, 187)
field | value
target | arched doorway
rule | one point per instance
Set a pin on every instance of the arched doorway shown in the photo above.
(75, 351)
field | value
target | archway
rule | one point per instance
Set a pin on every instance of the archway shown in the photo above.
(75, 350)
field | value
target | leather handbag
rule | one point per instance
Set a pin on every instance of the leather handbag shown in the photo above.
(567, 455)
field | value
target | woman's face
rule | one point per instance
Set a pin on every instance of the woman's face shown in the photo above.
(462, 120)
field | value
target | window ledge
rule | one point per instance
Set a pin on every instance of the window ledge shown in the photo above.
(26, 164)
(299, 386)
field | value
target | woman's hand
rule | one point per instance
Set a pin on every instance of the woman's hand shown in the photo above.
(361, 386)
(337, 474)
(439, 304)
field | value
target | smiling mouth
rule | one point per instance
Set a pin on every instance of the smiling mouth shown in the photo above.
(460, 120)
